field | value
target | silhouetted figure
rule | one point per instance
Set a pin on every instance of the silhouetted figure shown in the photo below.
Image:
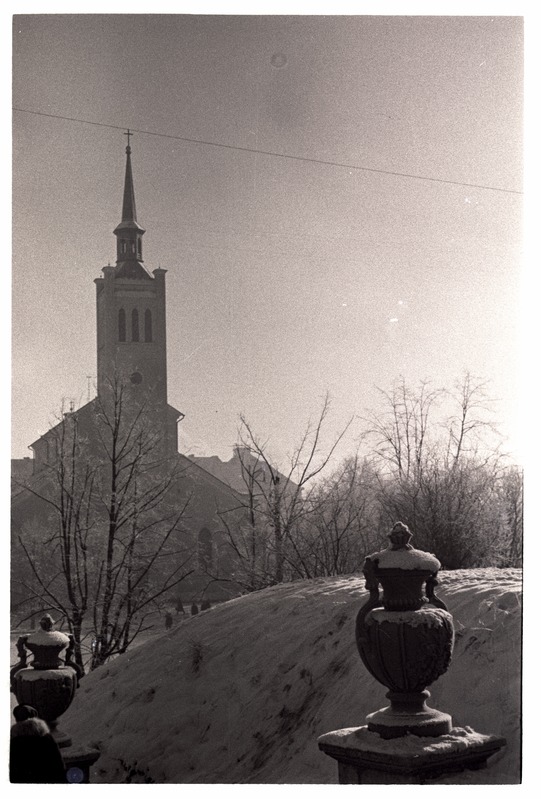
(34, 756)
(168, 621)
(195, 609)
(179, 606)
(205, 605)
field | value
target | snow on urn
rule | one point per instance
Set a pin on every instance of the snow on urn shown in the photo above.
(404, 642)
(49, 683)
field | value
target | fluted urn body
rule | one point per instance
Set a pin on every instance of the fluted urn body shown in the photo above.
(49, 683)
(405, 637)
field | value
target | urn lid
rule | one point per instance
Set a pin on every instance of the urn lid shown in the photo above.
(401, 555)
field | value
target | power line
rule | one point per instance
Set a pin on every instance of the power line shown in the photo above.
(270, 153)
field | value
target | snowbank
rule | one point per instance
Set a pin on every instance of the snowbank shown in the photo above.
(241, 692)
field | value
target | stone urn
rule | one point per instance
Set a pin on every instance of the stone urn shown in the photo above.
(49, 683)
(405, 637)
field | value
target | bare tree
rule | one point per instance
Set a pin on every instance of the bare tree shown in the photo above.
(470, 430)
(116, 548)
(400, 429)
(512, 500)
(341, 528)
(56, 550)
(441, 473)
(277, 499)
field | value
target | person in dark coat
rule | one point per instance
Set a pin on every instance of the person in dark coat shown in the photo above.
(34, 756)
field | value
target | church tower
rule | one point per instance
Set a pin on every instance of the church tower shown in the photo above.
(131, 331)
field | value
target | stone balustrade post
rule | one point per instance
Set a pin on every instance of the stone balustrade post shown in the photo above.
(48, 684)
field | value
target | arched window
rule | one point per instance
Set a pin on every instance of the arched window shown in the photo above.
(148, 325)
(122, 325)
(135, 325)
(204, 549)
(139, 248)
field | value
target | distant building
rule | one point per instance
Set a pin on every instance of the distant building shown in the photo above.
(237, 471)
(21, 468)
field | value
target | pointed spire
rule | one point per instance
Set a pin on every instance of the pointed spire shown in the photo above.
(129, 233)
(128, 204)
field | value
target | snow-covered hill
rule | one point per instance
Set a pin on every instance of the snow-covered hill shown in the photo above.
(240, 693)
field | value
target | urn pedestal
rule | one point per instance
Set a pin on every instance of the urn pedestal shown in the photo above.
(405, 639)
(365, 758)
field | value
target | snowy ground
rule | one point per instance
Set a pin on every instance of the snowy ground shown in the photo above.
(240, 693)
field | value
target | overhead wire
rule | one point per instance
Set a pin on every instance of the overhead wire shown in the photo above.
(273, 154)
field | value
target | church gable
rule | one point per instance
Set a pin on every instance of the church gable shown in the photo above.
(45, 448)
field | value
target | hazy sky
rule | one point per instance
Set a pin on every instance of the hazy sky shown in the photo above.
(286, 278)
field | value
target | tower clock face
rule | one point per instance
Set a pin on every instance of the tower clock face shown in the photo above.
(136, 378)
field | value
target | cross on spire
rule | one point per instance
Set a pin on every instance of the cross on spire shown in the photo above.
(128, 134)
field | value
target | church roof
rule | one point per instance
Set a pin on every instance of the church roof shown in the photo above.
(131, 270)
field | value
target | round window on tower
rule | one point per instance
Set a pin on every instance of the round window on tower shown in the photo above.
(136, 378)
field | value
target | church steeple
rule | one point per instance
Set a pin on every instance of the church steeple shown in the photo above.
(129, 246)
(131, 328)
(128, 205)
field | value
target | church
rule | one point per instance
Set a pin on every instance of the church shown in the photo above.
(132, 358)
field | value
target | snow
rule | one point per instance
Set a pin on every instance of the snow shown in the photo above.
(240, 693)
(406, 559)
(360, 738)
(37, 675)
(54, 638)
(428, 617)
